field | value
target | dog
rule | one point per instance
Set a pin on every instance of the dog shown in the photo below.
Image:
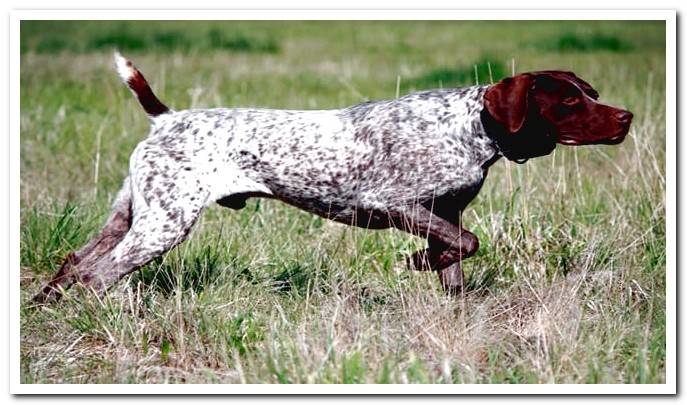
(412, 163)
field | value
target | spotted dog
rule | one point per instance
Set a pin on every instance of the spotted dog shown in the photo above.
(412, 163)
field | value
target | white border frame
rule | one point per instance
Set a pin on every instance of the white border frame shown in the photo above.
(669, 16)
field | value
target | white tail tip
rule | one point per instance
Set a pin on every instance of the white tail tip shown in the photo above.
(125, 68)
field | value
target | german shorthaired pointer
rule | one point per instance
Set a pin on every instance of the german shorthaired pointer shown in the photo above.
(413, 163)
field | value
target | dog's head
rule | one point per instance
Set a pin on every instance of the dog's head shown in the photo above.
(534, 111)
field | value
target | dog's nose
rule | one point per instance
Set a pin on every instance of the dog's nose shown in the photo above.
(623, 116)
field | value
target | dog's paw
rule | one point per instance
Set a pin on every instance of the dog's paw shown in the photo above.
(451, 279)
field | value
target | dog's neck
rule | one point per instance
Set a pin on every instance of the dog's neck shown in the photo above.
(474, 130)
(534, 139)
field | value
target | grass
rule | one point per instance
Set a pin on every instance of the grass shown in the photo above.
(588, 43)
(127, 36)
(490, 70)
(568, 285)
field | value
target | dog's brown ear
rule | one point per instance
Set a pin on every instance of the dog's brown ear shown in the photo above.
(506, 101)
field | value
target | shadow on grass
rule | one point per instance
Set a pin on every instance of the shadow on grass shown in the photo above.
(299, 280)
(199, 271)
(484, 71)
(483, 280)
(585, 43)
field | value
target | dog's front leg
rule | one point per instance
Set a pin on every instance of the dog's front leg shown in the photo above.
(446, 260)
(448, 244)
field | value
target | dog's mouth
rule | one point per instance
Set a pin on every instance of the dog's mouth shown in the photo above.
(612, 140)
(569, 141)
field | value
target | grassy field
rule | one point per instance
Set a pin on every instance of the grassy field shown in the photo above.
(568, 285)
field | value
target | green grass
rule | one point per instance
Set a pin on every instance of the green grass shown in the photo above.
(568, 285)
(486, 69)
(590, 43)
(39, 36)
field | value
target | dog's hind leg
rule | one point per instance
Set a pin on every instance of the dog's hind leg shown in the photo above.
(159, 223)
(109, 236)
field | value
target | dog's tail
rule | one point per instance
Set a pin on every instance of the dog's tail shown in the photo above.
(139, 86)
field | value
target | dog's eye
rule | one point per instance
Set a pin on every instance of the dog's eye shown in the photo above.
(571, 101)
